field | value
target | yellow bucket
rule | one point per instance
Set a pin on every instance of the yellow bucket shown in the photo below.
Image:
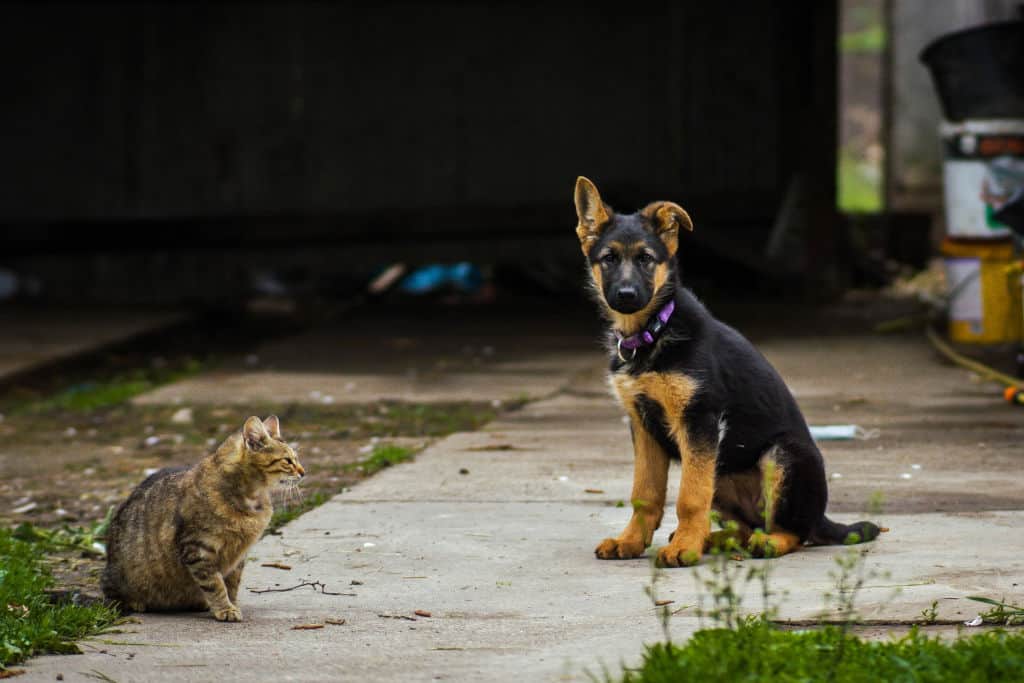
(984, 290)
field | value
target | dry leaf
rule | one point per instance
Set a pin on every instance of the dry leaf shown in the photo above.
(662, 603)
(593, 490)
(421, 613)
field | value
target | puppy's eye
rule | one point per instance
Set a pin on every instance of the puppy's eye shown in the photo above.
(609, 258)
(644, 259)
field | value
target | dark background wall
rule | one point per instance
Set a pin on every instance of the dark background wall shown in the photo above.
(318, 122)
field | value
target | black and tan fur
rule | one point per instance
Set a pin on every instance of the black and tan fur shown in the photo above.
(179, 541)
(701, 394)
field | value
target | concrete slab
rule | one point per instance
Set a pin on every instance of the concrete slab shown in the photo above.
(429, 363)
(36, 337)
(502, 556)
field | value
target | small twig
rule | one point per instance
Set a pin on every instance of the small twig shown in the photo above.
(396, 616)
(307, 627)
(315, 585)
(276, 565)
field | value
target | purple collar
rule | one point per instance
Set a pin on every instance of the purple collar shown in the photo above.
(650, 332)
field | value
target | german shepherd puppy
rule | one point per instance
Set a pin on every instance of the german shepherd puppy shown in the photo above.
(697, 391)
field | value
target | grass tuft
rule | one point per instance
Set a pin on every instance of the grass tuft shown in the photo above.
(381, 458)
(757, 650)
(286, 513)
(30, 623)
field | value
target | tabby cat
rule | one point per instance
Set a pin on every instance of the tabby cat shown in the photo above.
(179, 541)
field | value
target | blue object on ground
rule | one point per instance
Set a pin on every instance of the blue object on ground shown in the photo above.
(463, 276)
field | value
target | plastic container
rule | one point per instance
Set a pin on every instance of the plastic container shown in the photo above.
(979, 72)
(983, 176)
(985, 292)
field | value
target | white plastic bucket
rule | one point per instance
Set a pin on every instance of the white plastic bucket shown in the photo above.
(983, 170)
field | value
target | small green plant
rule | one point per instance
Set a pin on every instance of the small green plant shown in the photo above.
(930, 615)
(1001, 612)
(30, 622)
(87, 540)
(383, 456)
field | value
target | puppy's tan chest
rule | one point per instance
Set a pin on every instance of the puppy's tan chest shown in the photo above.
(672, 391)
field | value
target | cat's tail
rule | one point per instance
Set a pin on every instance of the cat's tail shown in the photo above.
(833, 533)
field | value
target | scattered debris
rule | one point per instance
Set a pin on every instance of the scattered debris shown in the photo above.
(356, 582)
(182, 416)
(307, 627)
(315, 585)
(593, 490)
(837, 475)
(150, 441)
(842, 432)
(463, 470)
(335, 622)
(906, 475)
(396, 616)
(276, 565)
(883, 529)
(493, 447)
(369, 544)
(422, 613)
(27, 507)
(563, 478)
(915, 466)
(976, 621)
(662, 603)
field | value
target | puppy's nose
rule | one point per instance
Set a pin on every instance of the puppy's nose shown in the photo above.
(627, 294)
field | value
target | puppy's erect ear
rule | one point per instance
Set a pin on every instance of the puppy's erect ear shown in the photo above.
(591, 211)
(255, 433)
(273, 426)
(667, 218)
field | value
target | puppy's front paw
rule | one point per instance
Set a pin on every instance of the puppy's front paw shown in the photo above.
(231, 613)
(619, 549)
(677, 555)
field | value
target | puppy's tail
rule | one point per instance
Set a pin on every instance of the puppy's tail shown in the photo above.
(833, 533)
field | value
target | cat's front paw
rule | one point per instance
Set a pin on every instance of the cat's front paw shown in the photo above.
(230, 613)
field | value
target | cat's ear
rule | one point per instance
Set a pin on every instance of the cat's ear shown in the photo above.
(273, 426)
(255, 434)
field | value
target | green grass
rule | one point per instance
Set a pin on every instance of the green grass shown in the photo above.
(381, 458)
(287, 513)
(758, 651)
(29, 622)
(109, 391)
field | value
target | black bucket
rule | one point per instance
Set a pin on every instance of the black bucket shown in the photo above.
(979, 72)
